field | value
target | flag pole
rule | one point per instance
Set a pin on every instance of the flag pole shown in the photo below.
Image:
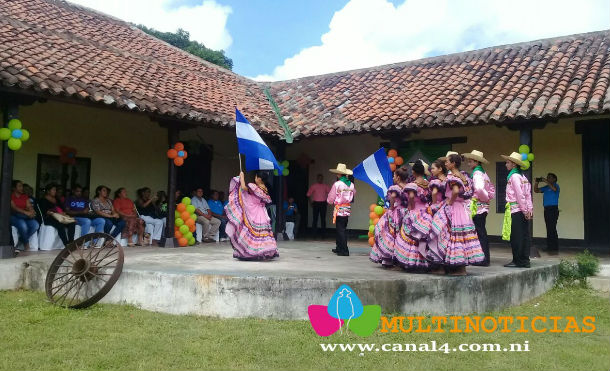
(240, 170)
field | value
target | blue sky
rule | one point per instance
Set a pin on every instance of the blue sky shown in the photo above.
(278, 40)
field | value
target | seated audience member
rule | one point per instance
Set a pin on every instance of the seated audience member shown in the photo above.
(146, 208)
(127, 210)
(102, 206)
(218, 212)
(49, 205)
(209, 223)
(161, 205)
(23, 216)
(290, 214)
(77, 207)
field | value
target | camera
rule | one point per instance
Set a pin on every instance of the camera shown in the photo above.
(541, 179)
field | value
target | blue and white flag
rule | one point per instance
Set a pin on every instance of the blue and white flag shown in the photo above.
(375, 170)
(250, 144)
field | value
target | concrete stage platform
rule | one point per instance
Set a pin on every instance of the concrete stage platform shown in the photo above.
(206, 280)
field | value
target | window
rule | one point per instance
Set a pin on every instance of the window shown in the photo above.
(501, 174)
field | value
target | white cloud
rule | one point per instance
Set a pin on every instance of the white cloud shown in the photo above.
(373, 32)
(206, 21)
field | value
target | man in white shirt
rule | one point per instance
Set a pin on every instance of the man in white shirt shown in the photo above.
(204, 217)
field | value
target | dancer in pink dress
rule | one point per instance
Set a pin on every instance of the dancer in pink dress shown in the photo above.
(410, 247)
(434, 255)
(457, 237)
(389, 223)
(249, 227)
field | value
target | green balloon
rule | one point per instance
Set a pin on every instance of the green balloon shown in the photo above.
(524, 148)
(286, 171)
(5, 133)
(378, 210)
(190, 209)
(14, 124)
(530, 157)
(179, 222)
(186, 201)
(372, 228)
(275, 172)
(370, 221)
(25, 135)
(285, 164)
(188, 235)
(526, 165)
(184, 229)
(176, 214)
(14, 144)
(191, 241)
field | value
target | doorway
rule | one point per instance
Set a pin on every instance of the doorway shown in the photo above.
(196, 170)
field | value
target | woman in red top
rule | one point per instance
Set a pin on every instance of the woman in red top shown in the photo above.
(23, 216)
(127, 210)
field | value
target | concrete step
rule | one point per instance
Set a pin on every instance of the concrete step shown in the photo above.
(600, 283)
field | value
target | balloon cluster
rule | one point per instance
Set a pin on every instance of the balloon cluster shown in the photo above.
(376, 211)
(394, 160)
(184, 224)
(526, 156)
(14, 134)
(178, 154)
(285, 170)
(67, 155)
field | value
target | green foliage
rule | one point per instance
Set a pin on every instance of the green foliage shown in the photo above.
(576, 272)
(181, 39)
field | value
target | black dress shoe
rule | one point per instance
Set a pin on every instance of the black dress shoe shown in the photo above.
(335, 251)
(510, 265)
(343, 253)
(526, 265)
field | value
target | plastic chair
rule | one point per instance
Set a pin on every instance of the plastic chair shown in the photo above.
(48, 238)
(19, 245)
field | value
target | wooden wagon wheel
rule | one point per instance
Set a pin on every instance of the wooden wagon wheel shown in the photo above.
(83, 273)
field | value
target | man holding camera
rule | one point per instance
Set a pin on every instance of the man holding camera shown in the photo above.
(550, 196)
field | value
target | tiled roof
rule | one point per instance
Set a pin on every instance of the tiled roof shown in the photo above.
(540, 79)
(57, 48)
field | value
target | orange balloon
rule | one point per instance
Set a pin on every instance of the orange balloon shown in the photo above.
(371, 241)
(185, 154)
(372, 207)
(183, 241)
(177, 234)
(181, 207)
(172, 153)
(393, 167)
(185, 215)
(371, 234)
(392, 153)
(373, 215)
(192, 228)
(189, 222)
(179, 146)
(399, 161)
(178, 161)
(375, 221)
(176, 228)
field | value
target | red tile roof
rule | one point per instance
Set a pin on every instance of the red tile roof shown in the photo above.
(59, 49)
(540, 79)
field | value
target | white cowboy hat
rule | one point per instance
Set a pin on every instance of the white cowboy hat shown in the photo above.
(426, 167)
(341, 169)
(514, 158)
(476, 155)
(449, 153)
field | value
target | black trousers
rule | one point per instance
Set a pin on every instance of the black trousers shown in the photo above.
(519, 238)
(551, 214)
(479, 224)
(341, 233)
(319, 211)
(65, 231)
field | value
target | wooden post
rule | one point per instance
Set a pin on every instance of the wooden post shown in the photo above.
(170, 240)
(525, 136)
(10, 110)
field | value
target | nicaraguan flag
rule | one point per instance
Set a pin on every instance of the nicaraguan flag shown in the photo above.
(250, 144)
(375, 170)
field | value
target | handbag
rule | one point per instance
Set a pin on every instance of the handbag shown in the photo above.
(63, 219)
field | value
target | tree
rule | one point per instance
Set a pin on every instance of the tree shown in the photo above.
(182, 39)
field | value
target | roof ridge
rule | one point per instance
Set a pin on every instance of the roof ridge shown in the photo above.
(442, 57)
(131, 26)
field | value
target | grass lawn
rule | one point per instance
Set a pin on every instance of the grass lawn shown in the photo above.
(35, 335)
